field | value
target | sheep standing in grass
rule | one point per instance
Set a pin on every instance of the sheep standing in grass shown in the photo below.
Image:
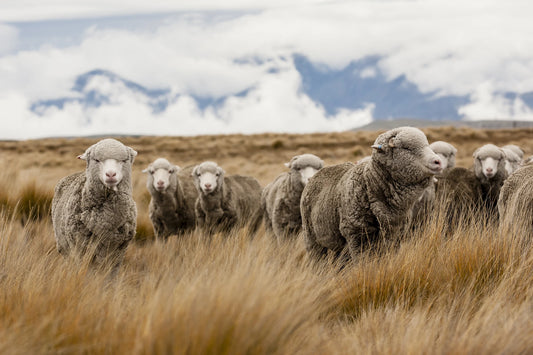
(95, 207)
(280, 201)
(489, 167)
(458, 193)
(424, 206)
(353, 204)
(225, 202)
(515, 205)
(173, 197)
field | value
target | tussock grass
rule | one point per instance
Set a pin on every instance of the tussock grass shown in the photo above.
(441, 288)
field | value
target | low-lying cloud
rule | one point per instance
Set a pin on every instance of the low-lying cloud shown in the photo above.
(479, 49)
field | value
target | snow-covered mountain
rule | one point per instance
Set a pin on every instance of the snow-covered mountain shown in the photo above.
(353, 87)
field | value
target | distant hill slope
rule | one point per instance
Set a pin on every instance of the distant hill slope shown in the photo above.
(482, 124)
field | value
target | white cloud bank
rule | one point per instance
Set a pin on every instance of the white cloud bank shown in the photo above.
(443, 47)
(274, 105)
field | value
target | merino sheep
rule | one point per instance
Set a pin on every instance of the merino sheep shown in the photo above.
(446, 153)
(515, 205)
(512, 160)
(458, 192)
(173, 197)
(516, 149)
(280, 200)
(95, 207)
(489, 167)
(350, 205)
(424, 206)
(225, 202)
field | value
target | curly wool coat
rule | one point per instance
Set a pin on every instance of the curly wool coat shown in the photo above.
(87, 213)
(280, 200)
(352, 205)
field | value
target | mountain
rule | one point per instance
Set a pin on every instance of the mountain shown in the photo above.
(352, 87)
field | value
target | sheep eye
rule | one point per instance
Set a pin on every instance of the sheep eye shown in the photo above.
(125, 160)
(96, 160)
(217, 174)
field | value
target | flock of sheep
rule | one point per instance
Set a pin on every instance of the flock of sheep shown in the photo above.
(342, 208)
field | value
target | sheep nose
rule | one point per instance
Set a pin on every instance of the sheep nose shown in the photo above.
(207, 186)
(110, 174)
(437, 162)
(160, 183)
(489, 170)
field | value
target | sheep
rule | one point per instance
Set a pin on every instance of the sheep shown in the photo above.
(424, 206)
(446, 152)
(280, 200)
(457, 196)
(95, 207)
(516, 149)
(515, 204)
(489, 167)
(348, 206)
(512, 159)
(173, 196)
(225, 202)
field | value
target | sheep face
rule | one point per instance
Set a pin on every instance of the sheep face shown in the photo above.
(162, 174)
(305, 166)
(207, 177)
(406, 154)
(109, 162)
(488, 160)
(446, 153)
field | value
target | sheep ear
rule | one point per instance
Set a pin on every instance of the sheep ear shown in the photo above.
(377, 146)
(475, 153)
(221, 171)
(289, 164)
(84, 156)
(193, 173)
(133, 153)
(391, 142)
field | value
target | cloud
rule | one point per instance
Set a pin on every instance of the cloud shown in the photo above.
(486, 104)
(276, 104)
(8, 38)
(439, 46)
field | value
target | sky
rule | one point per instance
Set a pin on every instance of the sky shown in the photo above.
(241, 52)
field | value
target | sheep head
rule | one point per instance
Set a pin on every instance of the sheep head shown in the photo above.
(446, 153)
(109, 161)
(305, 166)
(161, 175)
(406, 154)
(489, 161)
(207, 177)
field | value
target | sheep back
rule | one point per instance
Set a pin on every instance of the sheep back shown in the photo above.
(515, 205)
(281, 206)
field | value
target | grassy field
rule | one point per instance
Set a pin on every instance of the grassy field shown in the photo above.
(470, 291)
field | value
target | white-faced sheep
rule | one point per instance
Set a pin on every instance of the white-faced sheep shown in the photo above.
(516, 149)
(280, 200)
(225, 202)
(95, 207)
(446, 153)
(424, 206)
(352, 204)
(515, 205)
(489, 167)
(512, 159)
(173, 197)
